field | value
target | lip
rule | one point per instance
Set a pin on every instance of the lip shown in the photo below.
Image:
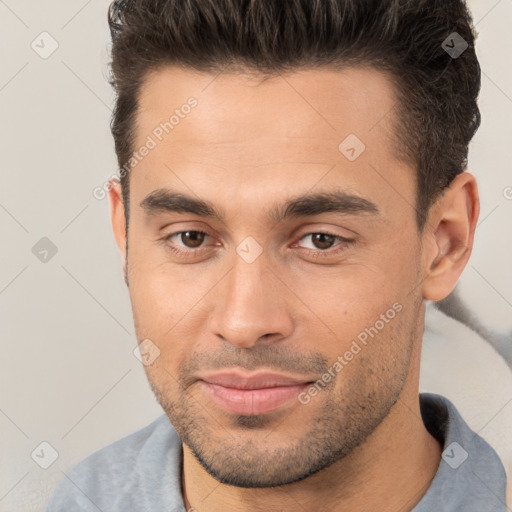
(252, 394)
(240, 380)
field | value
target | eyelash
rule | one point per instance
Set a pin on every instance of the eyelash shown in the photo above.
(340, 247)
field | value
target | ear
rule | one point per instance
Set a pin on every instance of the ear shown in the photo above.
(448, 236)
(117, 217)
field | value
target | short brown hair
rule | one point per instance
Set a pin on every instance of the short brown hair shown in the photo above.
(437, 112)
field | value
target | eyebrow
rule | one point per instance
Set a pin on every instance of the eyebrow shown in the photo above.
(307, 205)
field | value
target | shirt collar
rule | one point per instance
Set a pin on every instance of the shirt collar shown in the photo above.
(470, 476)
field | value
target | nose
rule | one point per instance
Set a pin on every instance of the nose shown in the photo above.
(251, 306)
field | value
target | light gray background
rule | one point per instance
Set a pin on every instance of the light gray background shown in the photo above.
(68, 374)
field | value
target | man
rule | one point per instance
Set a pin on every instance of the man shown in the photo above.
(293, 190)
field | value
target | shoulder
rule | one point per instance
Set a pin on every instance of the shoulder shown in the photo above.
(100, 480)
(470, 475)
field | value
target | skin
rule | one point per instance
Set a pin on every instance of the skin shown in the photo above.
(246, 147)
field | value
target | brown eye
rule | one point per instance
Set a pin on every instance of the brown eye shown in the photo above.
(324, 244)
(322, 240)
(185, 243)
(192, 239)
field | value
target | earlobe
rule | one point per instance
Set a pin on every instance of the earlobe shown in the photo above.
(450, 231)
(117, 217)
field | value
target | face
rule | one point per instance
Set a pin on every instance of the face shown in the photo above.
(274, 263)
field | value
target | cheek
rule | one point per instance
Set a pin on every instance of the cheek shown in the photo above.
(361, 310)
(375, 355)
(352, 297)
(162, 293)
(170, 307)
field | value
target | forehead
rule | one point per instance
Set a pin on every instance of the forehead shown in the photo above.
(316, 103)
(283, 134)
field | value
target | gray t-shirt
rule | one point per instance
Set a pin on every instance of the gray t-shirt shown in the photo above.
(142, 472)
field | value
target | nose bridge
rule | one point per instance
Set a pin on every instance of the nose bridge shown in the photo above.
(250, 303)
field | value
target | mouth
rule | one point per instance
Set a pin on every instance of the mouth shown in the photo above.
(252, 394)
